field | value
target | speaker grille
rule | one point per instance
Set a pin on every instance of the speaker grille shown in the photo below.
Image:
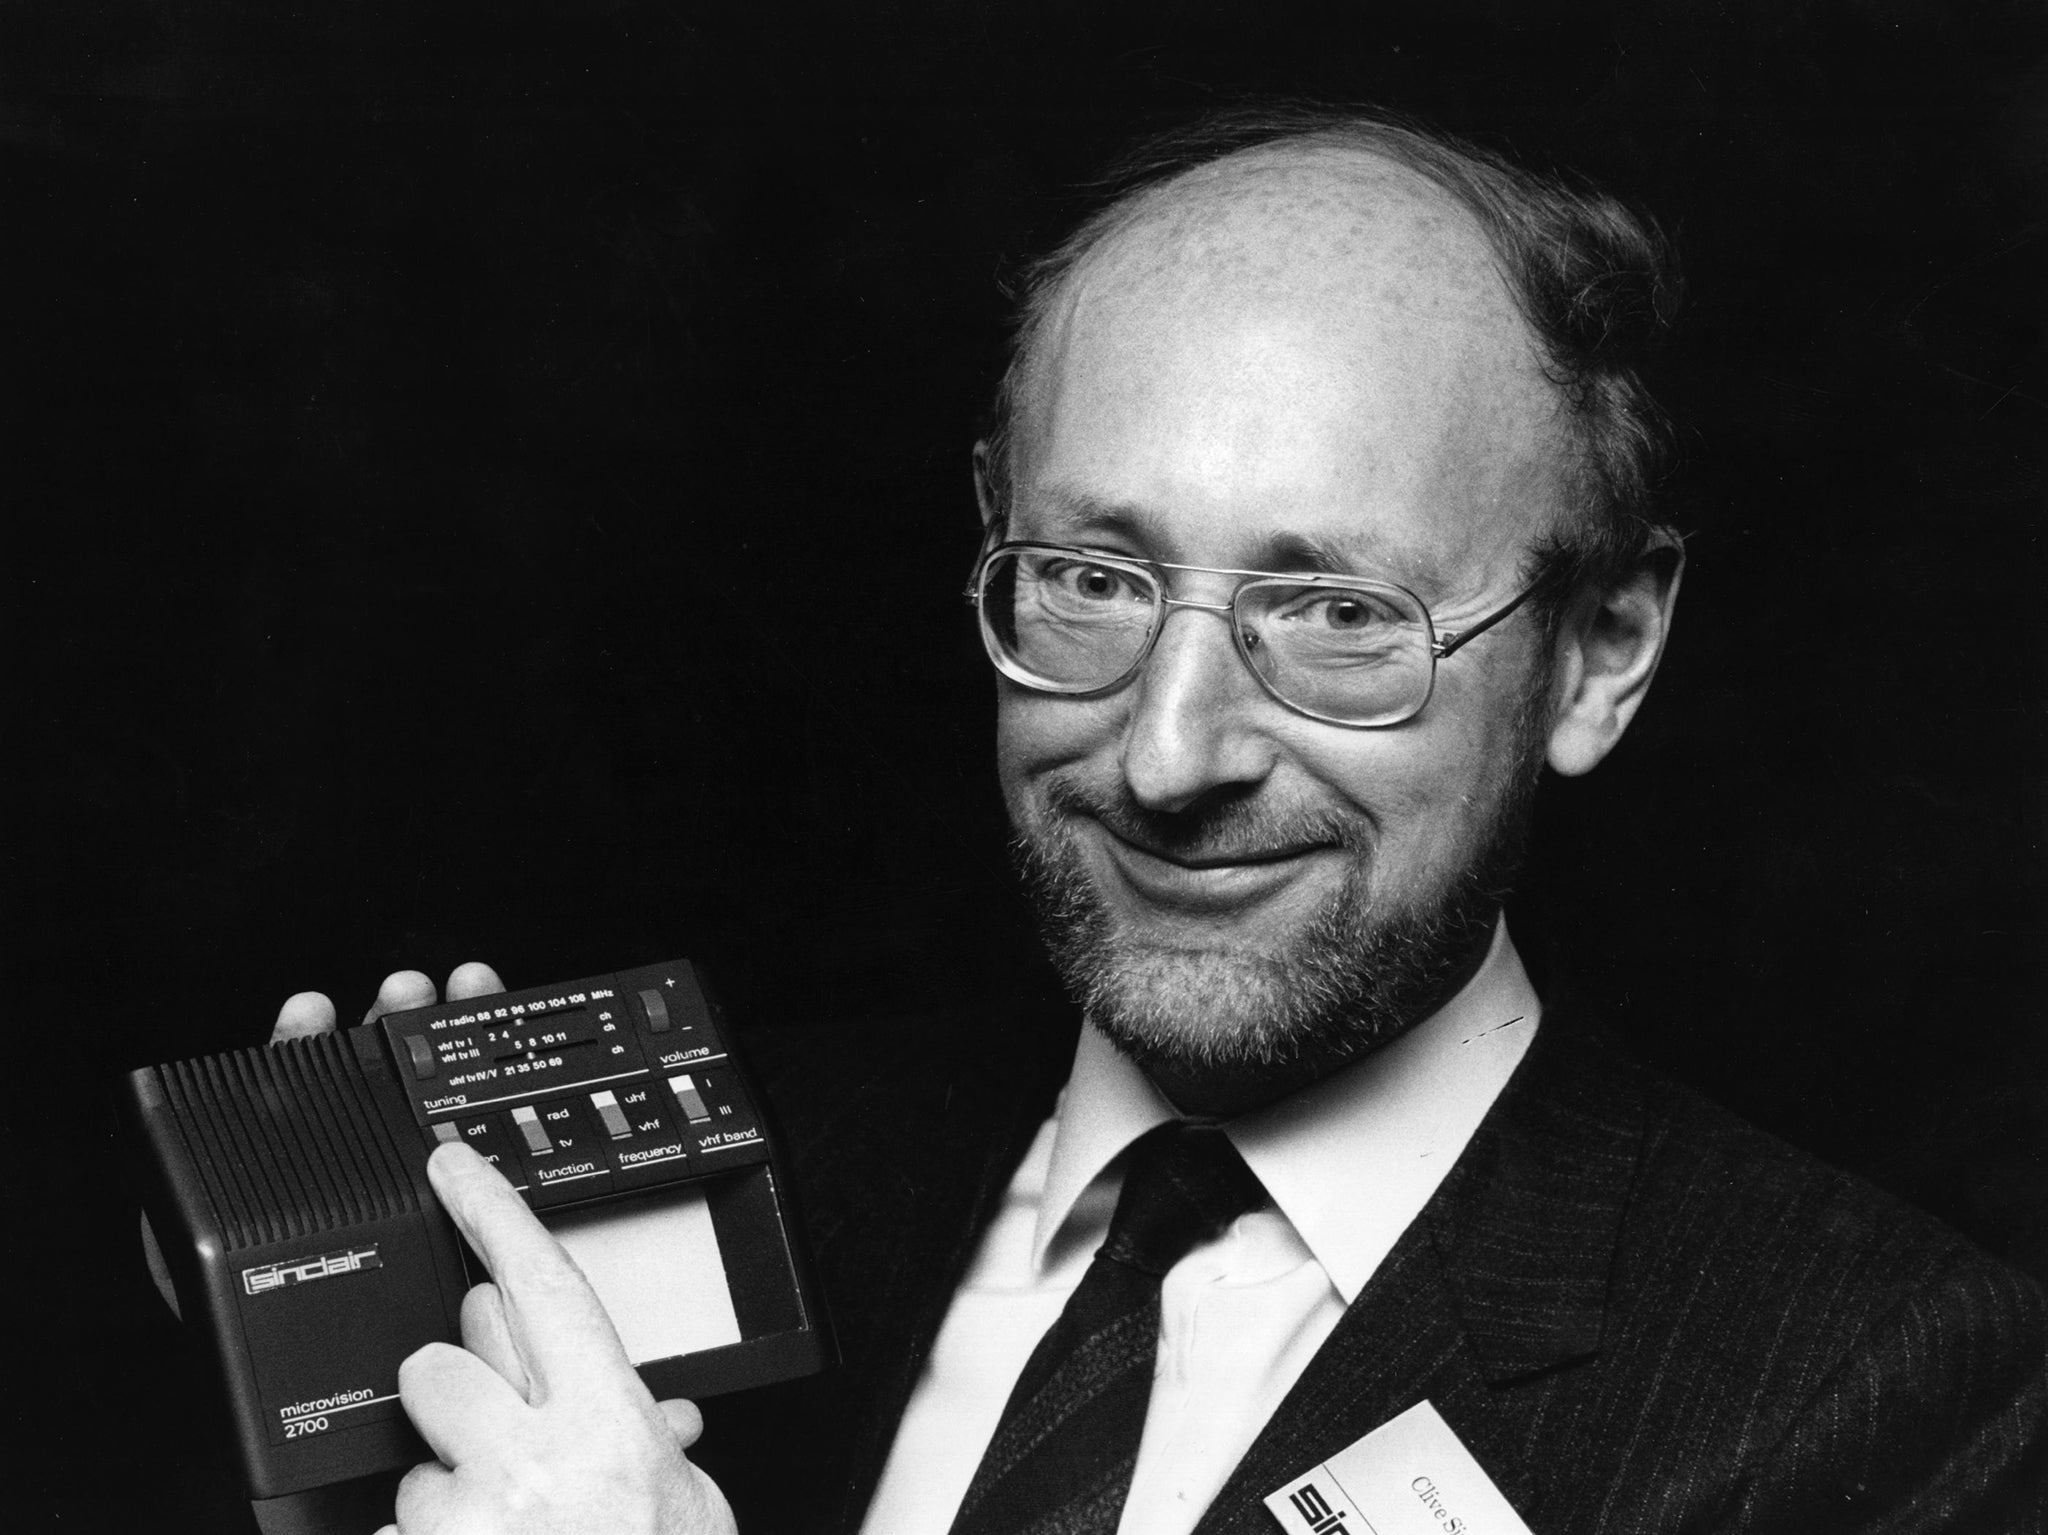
(287, 1140)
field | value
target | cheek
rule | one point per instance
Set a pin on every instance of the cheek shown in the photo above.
(1037, 734)
(1391, 778)
(1425, 787)
(1482, 755)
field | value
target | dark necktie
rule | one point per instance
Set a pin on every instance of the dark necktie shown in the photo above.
(1060, 1461)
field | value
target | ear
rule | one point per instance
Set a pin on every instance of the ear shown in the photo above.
(1607, 654)
(985, 492)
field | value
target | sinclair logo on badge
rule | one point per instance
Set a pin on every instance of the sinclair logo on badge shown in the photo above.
(1409, 1476)
(276, 1276)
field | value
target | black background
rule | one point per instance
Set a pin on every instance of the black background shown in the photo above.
(491, 481)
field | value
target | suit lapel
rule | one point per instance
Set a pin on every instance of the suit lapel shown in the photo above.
(1502, 1278)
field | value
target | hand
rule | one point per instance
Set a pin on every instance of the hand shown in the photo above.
(507, 1329)
(541, 1425)
(310, 1012)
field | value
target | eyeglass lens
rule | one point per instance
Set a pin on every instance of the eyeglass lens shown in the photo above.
(1067, 623)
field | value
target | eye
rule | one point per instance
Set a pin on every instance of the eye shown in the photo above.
(1344, 611)
(1339, 610)
(1085, 581)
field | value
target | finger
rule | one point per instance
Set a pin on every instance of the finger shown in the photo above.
(159, 1271)
(303, 1013)
(460, 1405)
(402, 989)
(684, 1421)
(488, 1335)
(423, 1494)
(554, 1319)
(474, 979)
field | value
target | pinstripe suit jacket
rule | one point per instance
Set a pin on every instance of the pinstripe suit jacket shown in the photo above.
(1639, 1313)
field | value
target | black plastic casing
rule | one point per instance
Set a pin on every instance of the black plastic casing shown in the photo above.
(288, 1191)
(284, 1156)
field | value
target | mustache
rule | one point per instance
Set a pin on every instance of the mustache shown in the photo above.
(1236, 828)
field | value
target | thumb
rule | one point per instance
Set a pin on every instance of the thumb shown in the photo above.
(684, 1421)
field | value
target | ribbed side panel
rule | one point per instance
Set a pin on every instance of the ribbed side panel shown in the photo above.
(287, 1140)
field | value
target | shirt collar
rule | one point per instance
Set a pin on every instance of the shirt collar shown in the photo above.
(1350, 1160)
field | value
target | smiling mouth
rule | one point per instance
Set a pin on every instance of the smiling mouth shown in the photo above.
(1232, 859)
(1214, 883)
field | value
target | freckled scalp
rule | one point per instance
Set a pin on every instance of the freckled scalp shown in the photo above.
(1316, 250)
(1581, 288)
(1361, 244)
(1329, 224)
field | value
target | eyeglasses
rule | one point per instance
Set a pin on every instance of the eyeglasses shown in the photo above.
(1343, 649)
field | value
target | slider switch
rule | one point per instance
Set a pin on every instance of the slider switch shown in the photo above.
(611, 1115)
(534, 1132)
(422, 1055)
(685, 1089)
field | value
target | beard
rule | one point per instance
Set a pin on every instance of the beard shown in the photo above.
(1361, 969)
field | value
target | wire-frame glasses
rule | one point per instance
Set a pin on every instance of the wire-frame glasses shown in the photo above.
(1348, 650)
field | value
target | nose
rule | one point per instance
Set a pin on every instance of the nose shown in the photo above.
(1195, 728)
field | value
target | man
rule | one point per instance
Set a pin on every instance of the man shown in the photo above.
(1314, 526)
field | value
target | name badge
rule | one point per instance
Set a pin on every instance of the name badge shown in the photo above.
(1409, 1476)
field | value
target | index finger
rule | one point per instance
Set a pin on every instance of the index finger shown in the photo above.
(555, 1321)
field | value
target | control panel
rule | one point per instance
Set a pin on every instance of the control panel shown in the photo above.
(582, 1091)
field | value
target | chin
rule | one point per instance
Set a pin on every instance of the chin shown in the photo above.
(1198, 1010)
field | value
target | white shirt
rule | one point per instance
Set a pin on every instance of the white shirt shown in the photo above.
(1348, 1162)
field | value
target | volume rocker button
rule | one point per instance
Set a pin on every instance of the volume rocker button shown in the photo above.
(657, 1011)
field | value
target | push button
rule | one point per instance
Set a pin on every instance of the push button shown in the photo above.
(446, 1134)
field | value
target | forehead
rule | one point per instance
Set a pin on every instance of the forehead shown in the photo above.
(1293, 353)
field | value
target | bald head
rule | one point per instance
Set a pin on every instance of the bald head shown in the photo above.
(1511, 307)
(1316, 326)
(1333, 224)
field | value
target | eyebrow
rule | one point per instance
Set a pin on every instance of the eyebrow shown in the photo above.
(1078, 516)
